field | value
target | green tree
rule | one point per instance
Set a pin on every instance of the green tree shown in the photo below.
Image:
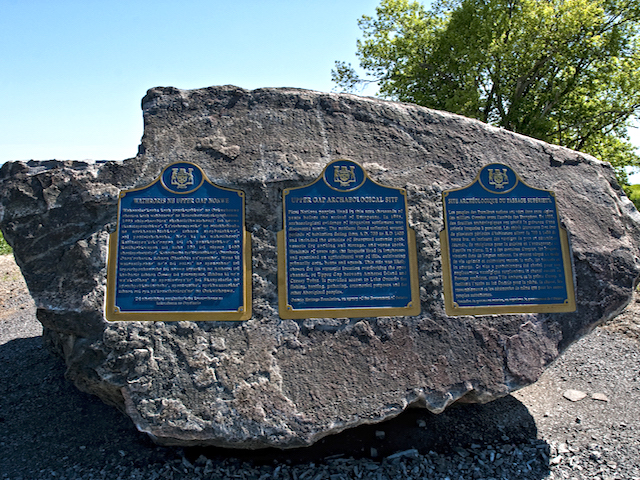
(633, 192)
(563, 71)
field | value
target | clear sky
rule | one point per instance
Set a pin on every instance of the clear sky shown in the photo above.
(73, 72)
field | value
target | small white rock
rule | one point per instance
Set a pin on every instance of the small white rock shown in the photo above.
(600, 396)
(574, 395)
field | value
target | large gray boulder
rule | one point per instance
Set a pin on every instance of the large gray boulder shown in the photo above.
(287, 383)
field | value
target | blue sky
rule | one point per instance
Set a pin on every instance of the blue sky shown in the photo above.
(72, 73)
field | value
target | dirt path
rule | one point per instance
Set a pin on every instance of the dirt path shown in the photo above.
(17, 310)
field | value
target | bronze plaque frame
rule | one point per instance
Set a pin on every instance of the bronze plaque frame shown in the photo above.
(161, 184)
(500, 191)
(340, 181)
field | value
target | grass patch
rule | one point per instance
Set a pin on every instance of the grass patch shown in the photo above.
(5, 249)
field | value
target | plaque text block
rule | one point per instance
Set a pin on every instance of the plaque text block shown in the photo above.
(503, 248)
(346, 249)
(180, 251)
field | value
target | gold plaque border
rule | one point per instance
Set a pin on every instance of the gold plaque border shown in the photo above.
(113, 314)
(452, 309)
(288, 312)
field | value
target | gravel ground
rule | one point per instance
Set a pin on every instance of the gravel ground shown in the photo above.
(48, 429)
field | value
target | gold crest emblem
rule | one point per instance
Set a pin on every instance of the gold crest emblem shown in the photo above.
(498, 178)
(181, 178)
(343, 175)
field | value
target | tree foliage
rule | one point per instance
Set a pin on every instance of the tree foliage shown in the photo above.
(563, 71)
(633, 192)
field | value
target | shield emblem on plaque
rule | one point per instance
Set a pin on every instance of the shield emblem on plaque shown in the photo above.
(343, 175)
(498, 178)
(181, 178)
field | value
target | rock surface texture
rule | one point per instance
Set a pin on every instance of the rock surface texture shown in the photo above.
(287, 383)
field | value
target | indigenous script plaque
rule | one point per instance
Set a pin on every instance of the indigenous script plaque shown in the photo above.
(346, 249)
(180, 252)
(503, 248)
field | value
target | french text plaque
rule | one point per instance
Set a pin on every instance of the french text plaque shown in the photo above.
(180, 252)
(346, 249)
(503, 248)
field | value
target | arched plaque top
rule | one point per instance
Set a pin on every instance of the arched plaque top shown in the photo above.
(182, 177)
(344, 175)
(498, 178)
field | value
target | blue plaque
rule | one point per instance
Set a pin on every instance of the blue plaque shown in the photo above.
(346, 249)
(503, 248)
(180, 252)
